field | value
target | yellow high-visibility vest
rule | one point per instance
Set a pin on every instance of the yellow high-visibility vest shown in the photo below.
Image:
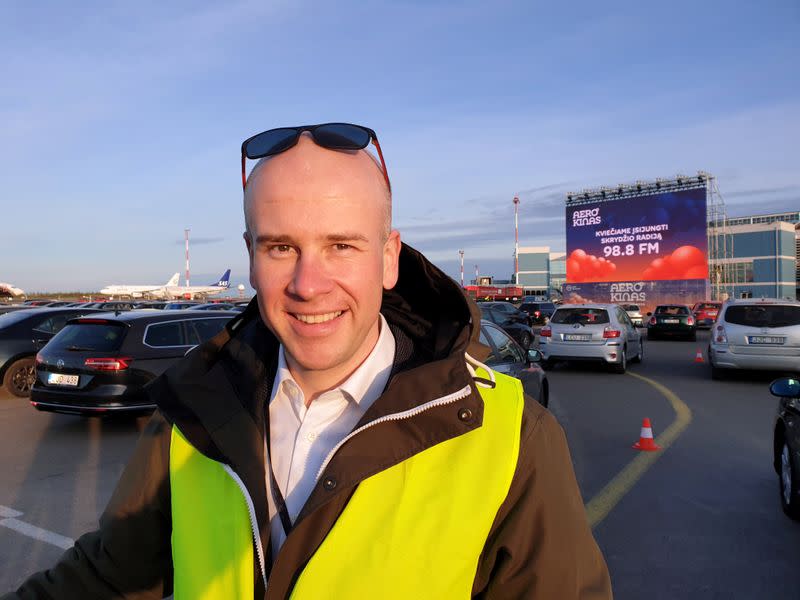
(415, 530)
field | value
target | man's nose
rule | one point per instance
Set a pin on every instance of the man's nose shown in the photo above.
(310, 278)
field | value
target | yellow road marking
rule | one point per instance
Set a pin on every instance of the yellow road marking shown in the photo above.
(604, 502)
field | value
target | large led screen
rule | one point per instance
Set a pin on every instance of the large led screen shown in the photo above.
(656, 237)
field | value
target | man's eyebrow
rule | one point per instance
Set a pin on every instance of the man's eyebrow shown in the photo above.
(273, 239)
(346, 237)
(331, 237)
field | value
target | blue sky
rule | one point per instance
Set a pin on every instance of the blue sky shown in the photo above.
(120, 123)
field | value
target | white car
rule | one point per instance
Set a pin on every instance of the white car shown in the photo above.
(634, 312)
(591, 332)
(762, 334)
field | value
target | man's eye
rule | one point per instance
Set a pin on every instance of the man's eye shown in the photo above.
(343, 246)
(280, 249)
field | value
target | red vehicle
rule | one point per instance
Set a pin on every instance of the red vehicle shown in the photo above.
(705, 313)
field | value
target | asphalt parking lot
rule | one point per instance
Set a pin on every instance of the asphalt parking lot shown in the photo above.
(699, 519)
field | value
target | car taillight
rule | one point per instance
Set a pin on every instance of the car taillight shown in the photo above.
(536, 313)
(546, 332)
(611, 333)
(652, 320)
(720, 336)
(107, 364)
(690, 321)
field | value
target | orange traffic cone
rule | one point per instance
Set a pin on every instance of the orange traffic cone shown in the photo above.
(646, 441)
(698, 358)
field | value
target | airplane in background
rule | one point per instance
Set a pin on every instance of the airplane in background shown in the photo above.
(139, 291)
(6, 289)
(190, 291)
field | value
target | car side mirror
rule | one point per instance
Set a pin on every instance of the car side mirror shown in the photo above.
(534, 356)
(786, 387)
(649, 314)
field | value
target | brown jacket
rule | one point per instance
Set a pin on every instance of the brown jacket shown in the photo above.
(539, 547)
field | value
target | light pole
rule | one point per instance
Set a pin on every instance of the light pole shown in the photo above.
(461, 254)
(516, 240)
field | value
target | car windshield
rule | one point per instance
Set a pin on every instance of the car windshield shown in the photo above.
(707, 306)
(630, 307)
(672, 310)
(96, 337)
(773, 315)
(584, 316)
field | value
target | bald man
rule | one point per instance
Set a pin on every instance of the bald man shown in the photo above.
(341, 438)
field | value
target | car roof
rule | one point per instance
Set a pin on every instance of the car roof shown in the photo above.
(587, 305)
(757, 301)
(154, 315)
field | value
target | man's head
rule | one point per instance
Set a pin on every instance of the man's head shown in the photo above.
(321, 253)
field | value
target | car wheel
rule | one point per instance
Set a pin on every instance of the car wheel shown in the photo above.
(693, 336)
(20, 377)
(652, 335)
(717, 374)
(789, 481)
(546, 364)
(525, 342)
(545, 400)
(622, 365)
(640, 356)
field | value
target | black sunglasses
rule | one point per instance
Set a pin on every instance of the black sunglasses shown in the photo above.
(336, 136)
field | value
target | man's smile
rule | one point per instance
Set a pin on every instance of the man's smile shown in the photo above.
(313, 319)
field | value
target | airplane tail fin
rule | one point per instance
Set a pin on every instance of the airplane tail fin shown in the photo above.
(224, 281)
(174, 280)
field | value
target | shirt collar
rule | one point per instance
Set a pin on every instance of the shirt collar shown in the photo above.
(366, 383)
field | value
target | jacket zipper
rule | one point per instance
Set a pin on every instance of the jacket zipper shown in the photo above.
(406, 414)
(253, 522)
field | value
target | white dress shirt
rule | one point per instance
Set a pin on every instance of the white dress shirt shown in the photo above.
(302, 437)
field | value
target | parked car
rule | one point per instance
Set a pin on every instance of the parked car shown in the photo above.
(510, 358)
(675, 320)
(634, 313)
(705, 313)
(786, 443)
(514, 324)
(214, 306)
(761, 334)
(591, 332)
(181, 305)
(99, 364)
(22, 333)
(157, 304)
(538, 312)
(4, 308)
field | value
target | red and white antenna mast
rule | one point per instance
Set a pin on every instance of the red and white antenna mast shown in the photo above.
(186, 237)
(516, 240)
(461, 254)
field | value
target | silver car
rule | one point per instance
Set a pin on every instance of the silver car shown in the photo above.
(761, 334)
(593, 332)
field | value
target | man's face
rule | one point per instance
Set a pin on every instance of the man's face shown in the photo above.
(319, 255)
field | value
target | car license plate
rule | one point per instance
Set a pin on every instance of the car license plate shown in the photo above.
(672, 321)
(577, 337)
(766, 339)
(60, 379)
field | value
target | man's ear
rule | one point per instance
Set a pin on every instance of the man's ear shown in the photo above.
(248, 241)
(391, 259)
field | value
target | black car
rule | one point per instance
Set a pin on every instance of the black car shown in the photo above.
(22, 333)
(514, 324)
(214, 306)
(509, 358)
(671, 320)
(98, 365)
(786, 443)
(539, 312)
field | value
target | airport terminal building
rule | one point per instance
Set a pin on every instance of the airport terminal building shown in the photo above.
(762, 254)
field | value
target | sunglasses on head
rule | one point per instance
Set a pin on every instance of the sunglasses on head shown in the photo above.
(336, 136)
